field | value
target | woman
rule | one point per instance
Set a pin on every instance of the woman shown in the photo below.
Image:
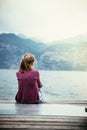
(28, 81)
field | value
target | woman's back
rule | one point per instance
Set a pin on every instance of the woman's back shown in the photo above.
(28, 84)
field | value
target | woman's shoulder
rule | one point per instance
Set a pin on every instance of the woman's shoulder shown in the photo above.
(35, 71)
(18, 73)
(21, 74)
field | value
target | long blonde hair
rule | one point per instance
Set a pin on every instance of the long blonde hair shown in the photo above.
(27, 62)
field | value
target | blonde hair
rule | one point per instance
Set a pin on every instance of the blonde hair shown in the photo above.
(27, 62)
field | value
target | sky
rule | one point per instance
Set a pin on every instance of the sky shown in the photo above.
(47, 20)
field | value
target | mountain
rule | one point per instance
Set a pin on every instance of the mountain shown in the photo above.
(12, 47)
(70, 54)
(22, 36)
(72, 40)
(38, 40)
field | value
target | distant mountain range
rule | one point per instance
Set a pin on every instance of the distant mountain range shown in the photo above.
(70, 54)
(12, 47)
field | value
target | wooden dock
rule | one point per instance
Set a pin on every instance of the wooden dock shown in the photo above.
(48, 116)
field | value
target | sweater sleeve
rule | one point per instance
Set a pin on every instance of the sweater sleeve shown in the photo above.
(38, 80)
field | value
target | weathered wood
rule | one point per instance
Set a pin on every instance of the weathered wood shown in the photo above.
(43, 116)
(43, 122)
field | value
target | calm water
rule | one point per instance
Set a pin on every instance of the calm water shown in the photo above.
(57, 85)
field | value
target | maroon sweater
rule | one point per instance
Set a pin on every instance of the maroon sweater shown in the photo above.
(28, 84)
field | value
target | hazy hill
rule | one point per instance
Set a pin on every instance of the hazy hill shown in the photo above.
(12, 47)
(72, 40)
(70, 54)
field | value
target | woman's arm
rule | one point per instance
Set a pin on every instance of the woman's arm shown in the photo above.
(38, 80)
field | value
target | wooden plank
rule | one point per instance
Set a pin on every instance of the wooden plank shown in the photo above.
(41, 118)
(43, 122)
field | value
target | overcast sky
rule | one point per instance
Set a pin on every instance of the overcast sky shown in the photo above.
(44, 19)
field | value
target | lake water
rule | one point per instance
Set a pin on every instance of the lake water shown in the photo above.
(57, 85)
